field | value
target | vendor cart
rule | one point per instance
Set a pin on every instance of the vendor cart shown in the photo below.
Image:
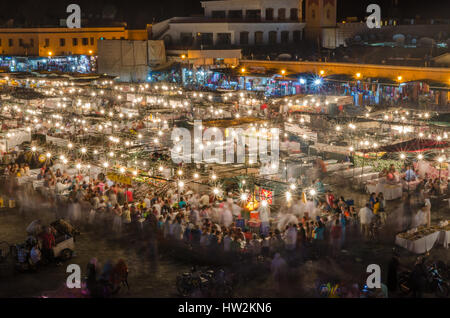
(64, 248)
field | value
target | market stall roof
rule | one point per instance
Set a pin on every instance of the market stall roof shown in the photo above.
(303, 74)
(340, 77)
(433, 84)
(256, 72)
(232, 122)
(383, 80)
(285, 78)
(56, 75)
(413, 145)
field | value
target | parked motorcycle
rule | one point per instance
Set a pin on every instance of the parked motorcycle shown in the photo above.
(208, 283)
(434, 281)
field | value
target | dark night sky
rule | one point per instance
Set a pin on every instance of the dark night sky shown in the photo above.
(138, 13)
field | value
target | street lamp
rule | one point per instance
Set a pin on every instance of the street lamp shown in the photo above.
(243, 70)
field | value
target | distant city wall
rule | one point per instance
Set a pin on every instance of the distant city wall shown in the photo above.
(366, 70)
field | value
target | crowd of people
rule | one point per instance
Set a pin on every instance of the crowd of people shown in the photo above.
(204, 222)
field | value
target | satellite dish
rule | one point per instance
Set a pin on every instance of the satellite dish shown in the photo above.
(399, 38)
(285, 56)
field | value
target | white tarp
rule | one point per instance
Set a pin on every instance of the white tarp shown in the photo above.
(16, 137)
(156, 52)
(56, 141)
(123, 58)
(297, 130)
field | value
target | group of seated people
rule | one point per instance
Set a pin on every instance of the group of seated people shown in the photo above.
(18, 170)
(407, 173)
(432, 186)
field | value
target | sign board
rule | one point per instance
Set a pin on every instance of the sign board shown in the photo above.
(119, 178)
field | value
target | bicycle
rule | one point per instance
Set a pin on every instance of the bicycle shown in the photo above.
(374, 230)
(5, 251)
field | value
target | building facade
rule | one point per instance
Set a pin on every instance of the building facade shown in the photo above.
(236, 23)
(61, 41)
(320, 16)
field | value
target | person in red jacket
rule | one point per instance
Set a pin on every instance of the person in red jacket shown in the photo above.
(48, 242)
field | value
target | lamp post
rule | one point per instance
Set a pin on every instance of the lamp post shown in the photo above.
(243, 74)
(419, 157)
